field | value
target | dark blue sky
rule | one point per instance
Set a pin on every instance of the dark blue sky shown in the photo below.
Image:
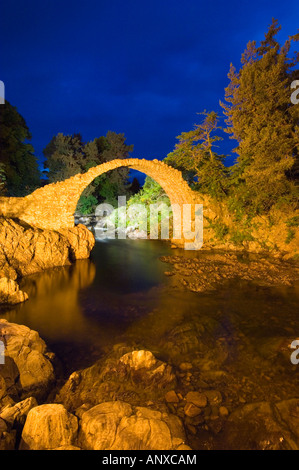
(144, 68)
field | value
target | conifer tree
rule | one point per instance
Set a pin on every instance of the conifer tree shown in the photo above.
(261, 117)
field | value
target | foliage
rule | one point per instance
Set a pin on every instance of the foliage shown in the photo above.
(238, 237)
(293, 221)
(195, 154)
(262, 119)
(68, 155)
(151, 193)
(18, 162)
(290, 236)
(87, 204)
(64, 157)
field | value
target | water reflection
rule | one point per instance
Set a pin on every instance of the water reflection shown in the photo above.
(122, 295)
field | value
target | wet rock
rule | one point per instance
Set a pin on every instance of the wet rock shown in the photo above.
(171, 397)
(185, 366)
(27, 370)
(136, 377)
(80, 240)
(17, 413)
(118, 426)
(139, 359)
(49, 427)
(214, 397)
(223, 411)
(198, 399)
(67, 448)
(264, 426)
(192, 410)
(210, 269)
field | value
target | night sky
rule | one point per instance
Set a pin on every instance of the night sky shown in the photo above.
(143, 68)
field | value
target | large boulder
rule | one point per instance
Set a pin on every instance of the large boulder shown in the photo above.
(119, 426)
(15, 415)
(27, 370)
(263, 426)
(135, 377)
(49, 427)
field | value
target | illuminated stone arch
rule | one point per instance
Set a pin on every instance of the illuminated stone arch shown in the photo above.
(53, 206)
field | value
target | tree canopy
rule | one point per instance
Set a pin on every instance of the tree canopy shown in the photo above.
(68, 155)
(261, 117)
(19, 169)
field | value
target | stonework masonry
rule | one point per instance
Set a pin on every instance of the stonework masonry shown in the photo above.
(53, 206)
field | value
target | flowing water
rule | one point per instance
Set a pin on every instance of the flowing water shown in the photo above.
(237, 337)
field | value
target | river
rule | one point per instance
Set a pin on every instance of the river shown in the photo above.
(236, 337)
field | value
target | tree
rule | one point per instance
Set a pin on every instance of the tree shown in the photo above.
(109, 186)
(68, 155)
(64, 157)
(16, 154)
(261, 117)
(195, 154)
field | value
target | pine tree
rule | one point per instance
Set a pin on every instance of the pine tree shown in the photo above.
(195, 154)
(64, 157)
(261, 117)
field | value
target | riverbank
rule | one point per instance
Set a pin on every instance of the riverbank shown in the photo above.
(207, 270)
(214, 352)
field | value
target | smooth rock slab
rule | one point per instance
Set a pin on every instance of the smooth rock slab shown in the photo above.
(119, 426)
(49, 427)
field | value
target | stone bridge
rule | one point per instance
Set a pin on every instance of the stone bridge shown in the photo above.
(53, 206)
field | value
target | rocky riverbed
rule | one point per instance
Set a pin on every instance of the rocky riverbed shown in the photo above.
(200, 372)
(131, 399)
(207, 270)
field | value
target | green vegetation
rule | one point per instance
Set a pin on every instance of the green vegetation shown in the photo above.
(293, 221)
(195, 154)
(265, 124)
(290, 236)
(151, 193)
(262, 119)
(87, 204)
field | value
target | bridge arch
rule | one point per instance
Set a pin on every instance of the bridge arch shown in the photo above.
(53, 206)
